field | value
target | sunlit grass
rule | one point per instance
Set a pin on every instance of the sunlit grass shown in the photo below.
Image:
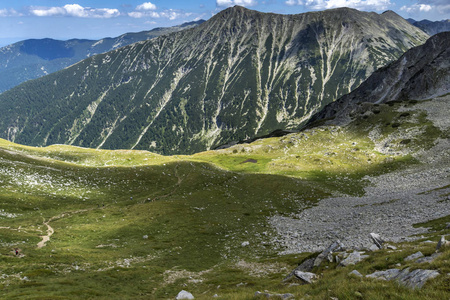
(133, 224)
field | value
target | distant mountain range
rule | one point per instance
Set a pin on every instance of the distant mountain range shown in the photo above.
(30, 59)
(240, 74)
(431, 27)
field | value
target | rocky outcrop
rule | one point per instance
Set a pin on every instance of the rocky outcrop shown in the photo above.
(378, 241)
(412, 279)
(305, 266)
(306, 277)
(354, 258)
(414, 256)
(327, 253)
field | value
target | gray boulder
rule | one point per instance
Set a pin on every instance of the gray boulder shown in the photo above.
(385, 275)
(305, 266)
(184, 295)
(413, 279)
(336, 246)
(355, 273)
(305, 276)
(354, 258)
(414, 256)
(442, 243)
(428, 259)
(416, 278)
(377, 240)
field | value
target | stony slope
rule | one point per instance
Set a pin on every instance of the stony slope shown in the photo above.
(30, 59)
(421, 73)
(238, 75)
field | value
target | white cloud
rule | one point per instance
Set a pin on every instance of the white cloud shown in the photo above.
(416, 8)
(328, 4)
(146, 6)
(434, 8)
(149, 14)
(9, 13)
(293, 2)
(246, 2)
(228, 3)
(75, 10)
(170, 14)
(224, 2)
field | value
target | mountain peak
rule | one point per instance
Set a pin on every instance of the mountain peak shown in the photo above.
(236, 10)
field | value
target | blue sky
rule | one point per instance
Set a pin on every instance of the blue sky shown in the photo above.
(61, 19)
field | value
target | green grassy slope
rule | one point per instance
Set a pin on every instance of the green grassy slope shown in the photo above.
(132, 224)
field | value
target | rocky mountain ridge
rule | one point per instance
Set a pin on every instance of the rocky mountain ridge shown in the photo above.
(240, 74)
(421, 73)
(33, 58)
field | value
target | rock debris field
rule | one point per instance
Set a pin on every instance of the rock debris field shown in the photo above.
(392, 203)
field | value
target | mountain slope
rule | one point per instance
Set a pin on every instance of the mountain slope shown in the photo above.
(421, 73)
(30, 59)
(240, 74)
(79, 223)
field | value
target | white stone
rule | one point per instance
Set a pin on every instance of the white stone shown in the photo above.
(184, 295)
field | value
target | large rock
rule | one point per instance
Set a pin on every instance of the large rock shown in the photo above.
(384, 275)
(377, 240)
(336, 246)
(414, 256)
(305, 266)
(354, 258)
(416, 278)
(355, 273)
(442, 243)
(184, 295)
(413, 279)
(428, 259)
(305, 276)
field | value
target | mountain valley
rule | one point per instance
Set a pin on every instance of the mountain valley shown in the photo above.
(238, 75)
(94, 223)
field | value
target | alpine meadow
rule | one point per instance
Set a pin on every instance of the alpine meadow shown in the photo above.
(249, 156)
